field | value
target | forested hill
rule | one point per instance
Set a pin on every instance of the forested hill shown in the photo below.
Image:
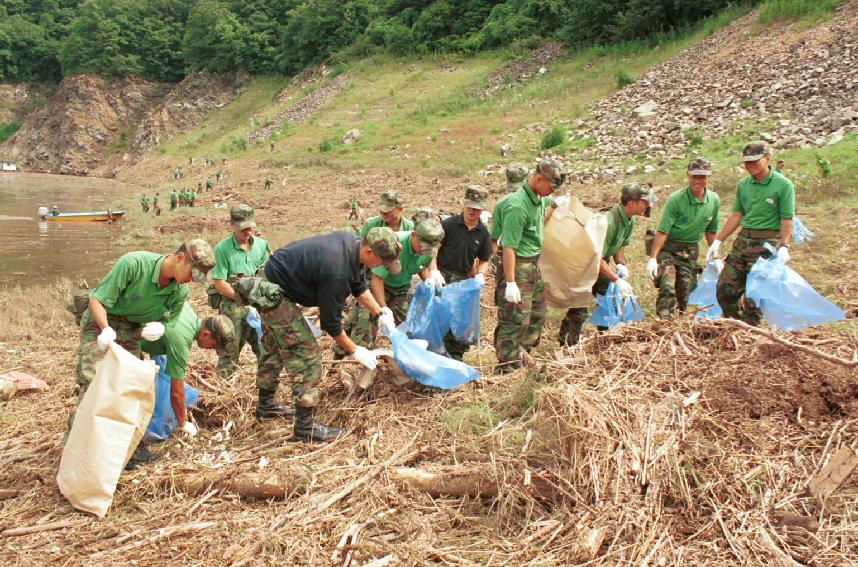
(164, 40)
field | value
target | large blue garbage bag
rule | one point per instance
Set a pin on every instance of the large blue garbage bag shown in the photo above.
(800, 233)
(611, 310)
(163, 420)
(704, 292)
(428, 368)
(427, 318)
(462, 301)
(787, 301)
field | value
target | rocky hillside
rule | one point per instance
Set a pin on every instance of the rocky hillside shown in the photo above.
(798, 85)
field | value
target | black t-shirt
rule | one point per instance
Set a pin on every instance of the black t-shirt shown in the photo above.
(461, 246)
(320, 271)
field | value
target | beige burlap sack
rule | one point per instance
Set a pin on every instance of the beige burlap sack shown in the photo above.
(109, 422)
(571, 252)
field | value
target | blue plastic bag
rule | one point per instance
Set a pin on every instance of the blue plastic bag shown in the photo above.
(255, 323)
(800, 233)
(427, 318)
(163, 420)
(428, 368)
(704, 292)
(787, 301)
(611, 310)
(462, 301)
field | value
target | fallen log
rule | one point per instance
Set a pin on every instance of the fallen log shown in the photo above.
(832, 475)
(470, 481)
(275, 484)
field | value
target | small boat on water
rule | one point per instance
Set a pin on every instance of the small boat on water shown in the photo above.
(91, 216)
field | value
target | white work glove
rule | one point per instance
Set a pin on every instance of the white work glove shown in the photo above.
(189, 429)
(712, 253)
(385, 321)
(153, 331)
(438, 278)
(365, 357)
(622, 271)
(652, 268)
(107, 336)
(562, 201)
(481, 278)
(783, 254)
(624, 287)
(512, 293)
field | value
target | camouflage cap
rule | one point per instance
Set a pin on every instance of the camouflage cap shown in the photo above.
(384, 243)
(552, 170)
(430, 233)
(634, 191)
(700, 166)
(516, 173)
(202, 258)
(423, 213)
(388, 201)
(222, 330)
(242, 216)
(476, 197)
(754, 151)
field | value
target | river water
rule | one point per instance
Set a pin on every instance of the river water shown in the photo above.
(33, 252)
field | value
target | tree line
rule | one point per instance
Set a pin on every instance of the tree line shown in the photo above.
(163, 40)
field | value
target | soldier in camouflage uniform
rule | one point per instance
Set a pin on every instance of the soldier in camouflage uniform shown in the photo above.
(318, 271)
(522, 309)
(688, 214)
(423, 213)
(764, 209)
(141, 289)
(636, 200)
(239, 254)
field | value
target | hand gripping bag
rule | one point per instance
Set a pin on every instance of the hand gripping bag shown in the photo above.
(427, 318)
(800, 233)
(108, 425)
(611, 310)
(462, 301)
(426, 367)
(163, 420)
(571, 252)
(704, 292)
(787, 301)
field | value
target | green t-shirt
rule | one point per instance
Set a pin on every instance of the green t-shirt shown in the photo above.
(131, 290)
(411, 261)
(765, 203)
(522, 222)
(176, 342)
(618, 235)
(174, 196)
(685, 219)
(155, 199)
(231, 259)
(377, 221)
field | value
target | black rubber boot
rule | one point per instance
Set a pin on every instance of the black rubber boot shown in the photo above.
(140, 456)
(267, 408)
(308, 429)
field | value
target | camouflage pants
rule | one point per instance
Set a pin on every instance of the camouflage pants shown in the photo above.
(455, 348)
(173, 205)
(497, 268)
(362, 328)
(228, 363)
(677, 276)
(288, 343)
(128, 336)
(573, 322)
(520, 324)
(731, 282)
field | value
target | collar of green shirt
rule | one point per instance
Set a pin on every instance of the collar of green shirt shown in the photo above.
(156, 279)
(237, 245)
(534, 198)
(766, 180)
(693, 200)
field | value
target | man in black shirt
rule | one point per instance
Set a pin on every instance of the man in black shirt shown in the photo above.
(321, 271)
(465, 251)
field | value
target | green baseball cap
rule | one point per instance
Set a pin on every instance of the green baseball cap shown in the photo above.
(388, 201)
(384, 243)
(202, 258)
(423, 213)
(638, 191)
(242, 216)
(754, 151)
(552, 170)
(516, 173)
(476, 197)
(430, 234)
(699, 166)
(222, 330)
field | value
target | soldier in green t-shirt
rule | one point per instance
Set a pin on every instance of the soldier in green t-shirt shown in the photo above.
(144, 203)
(390, 209)
(174, 199)
(688, 214)
(763, 209)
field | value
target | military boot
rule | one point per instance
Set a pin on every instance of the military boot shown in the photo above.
(267, 408)
(140, 456)
(308, 429)
(570, 332)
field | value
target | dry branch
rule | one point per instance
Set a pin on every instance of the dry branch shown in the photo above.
(246, 485)
(11, 532)
(468, 481)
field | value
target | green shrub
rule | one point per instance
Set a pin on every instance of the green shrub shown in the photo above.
(623, 78)
(746, 103)
(824, 166)
(326, 146)
(694, 135)
(553, 137)
(806, 10)
(9, 128)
